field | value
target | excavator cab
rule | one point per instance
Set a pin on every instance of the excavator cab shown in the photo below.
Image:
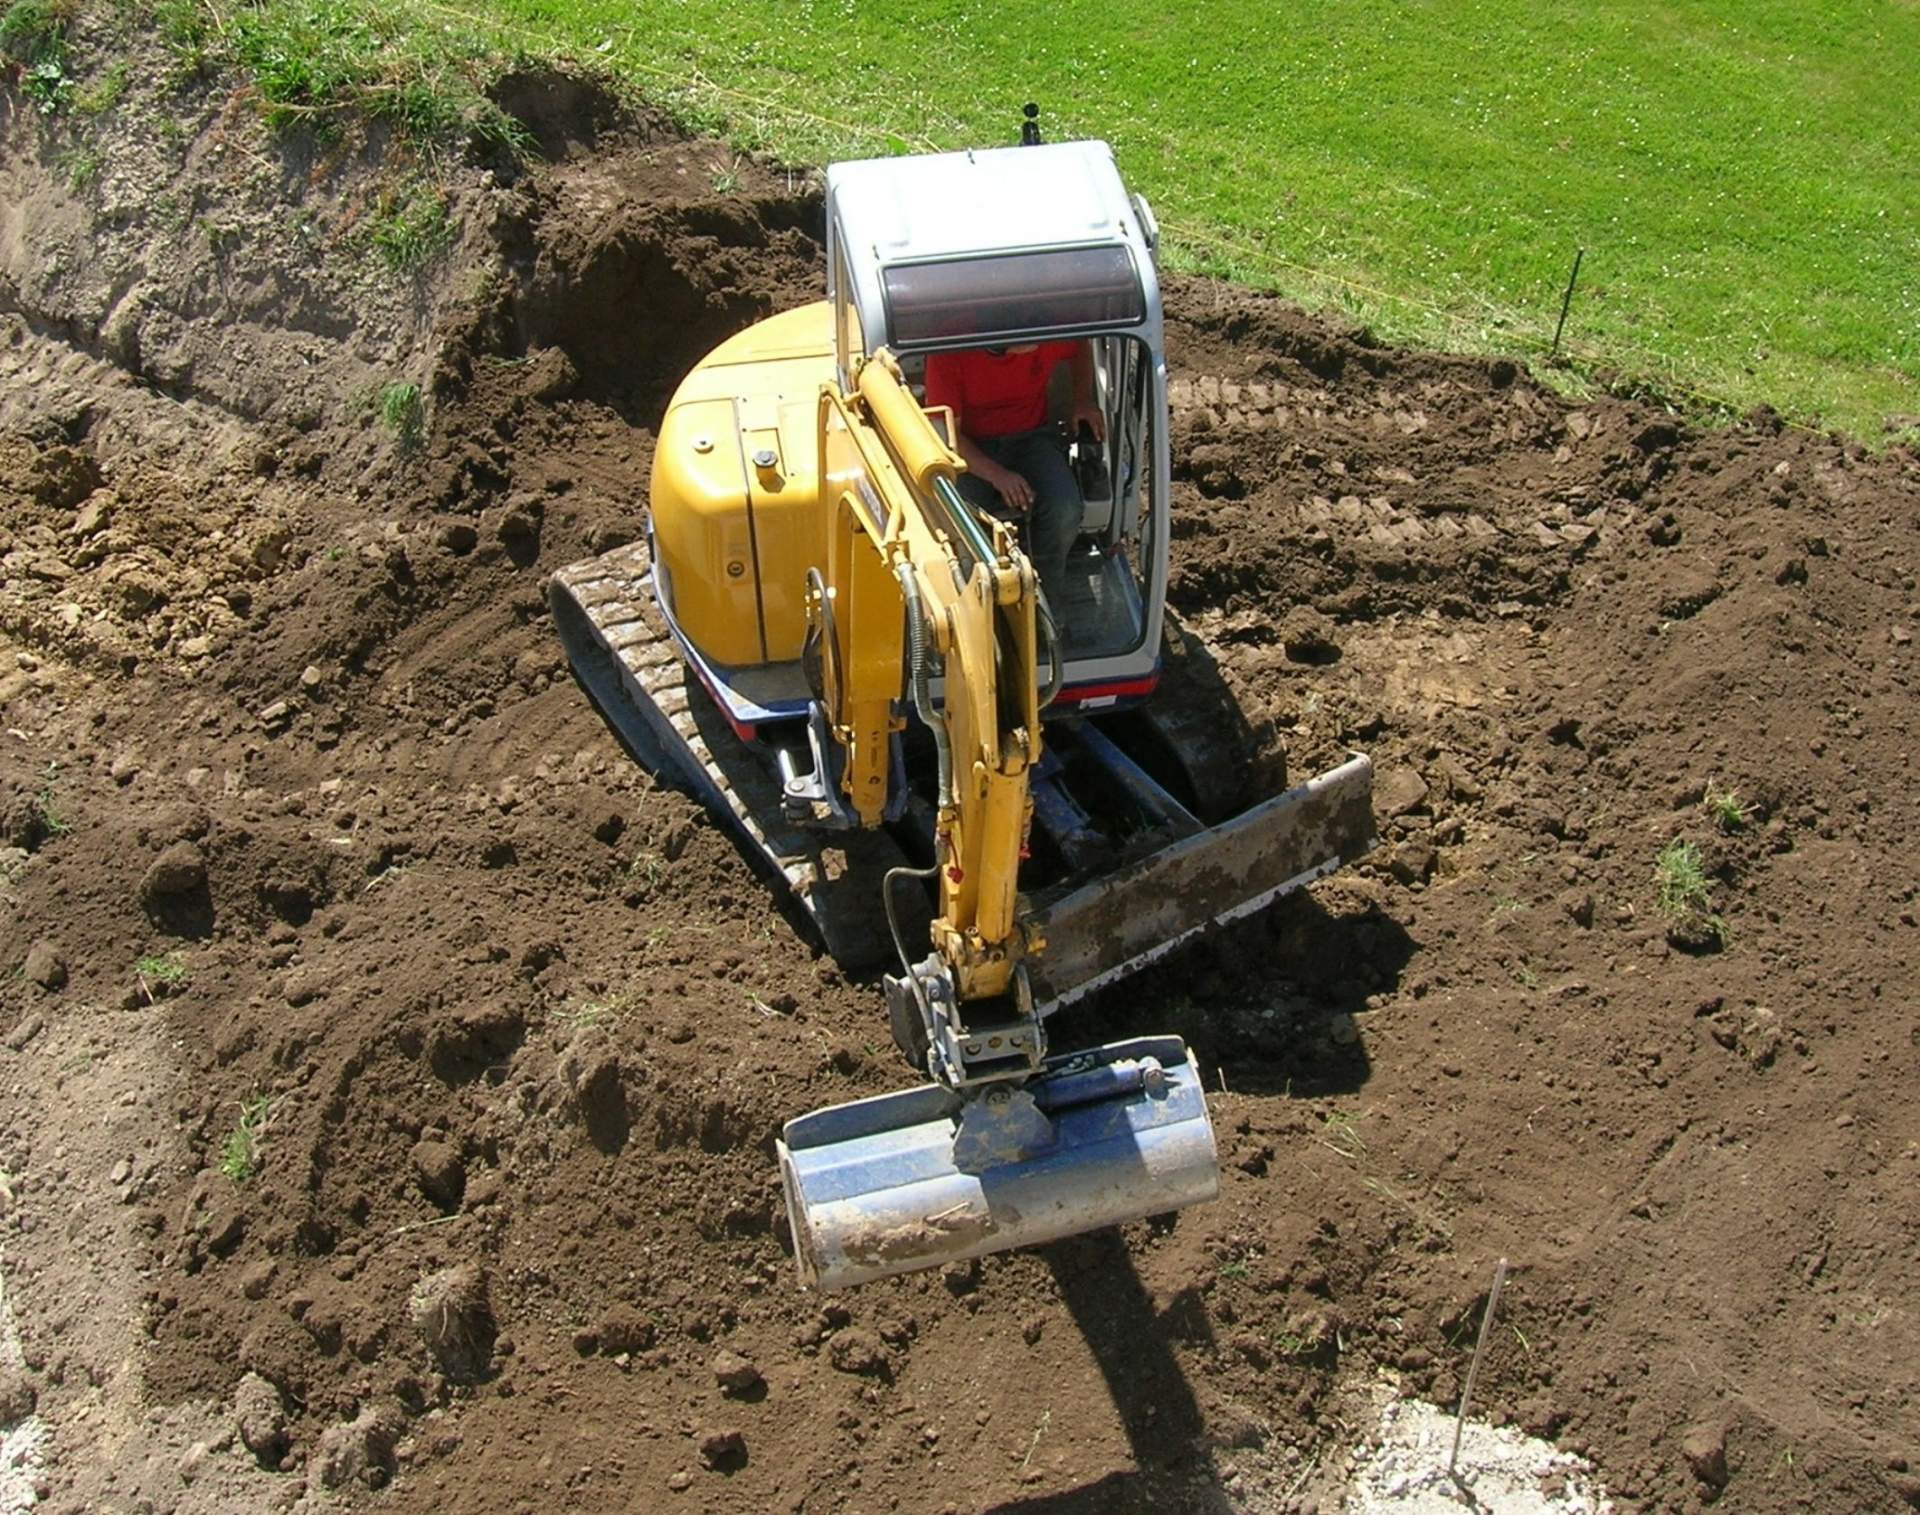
(1064, 252)
(940, 765)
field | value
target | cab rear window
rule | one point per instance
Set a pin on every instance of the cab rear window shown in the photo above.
(1010, 296)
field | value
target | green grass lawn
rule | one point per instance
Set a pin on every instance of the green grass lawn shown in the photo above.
(1744, 177)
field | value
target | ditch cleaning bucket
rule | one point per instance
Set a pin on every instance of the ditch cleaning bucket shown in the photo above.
(876, 1187)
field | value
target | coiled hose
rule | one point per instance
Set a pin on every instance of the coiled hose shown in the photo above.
(919, 655)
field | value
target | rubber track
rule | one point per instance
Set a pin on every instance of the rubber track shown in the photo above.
(624, 653)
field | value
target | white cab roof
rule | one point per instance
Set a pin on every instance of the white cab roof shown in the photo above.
(948, 208)
(992, 199)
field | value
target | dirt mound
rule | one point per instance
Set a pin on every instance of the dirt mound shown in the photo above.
(446, 1050)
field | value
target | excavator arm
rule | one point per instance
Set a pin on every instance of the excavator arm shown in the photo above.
(1006, 1147)
(909, 559)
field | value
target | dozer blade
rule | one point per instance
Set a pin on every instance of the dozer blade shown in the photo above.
(917, 1179)
(1126, 919)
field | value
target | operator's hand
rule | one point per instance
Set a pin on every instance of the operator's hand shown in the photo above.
(1012, 487)
(1090, 415)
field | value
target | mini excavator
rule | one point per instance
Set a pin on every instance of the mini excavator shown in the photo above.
(944, 768)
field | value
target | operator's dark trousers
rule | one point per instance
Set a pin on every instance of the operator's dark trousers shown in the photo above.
(1039, 457)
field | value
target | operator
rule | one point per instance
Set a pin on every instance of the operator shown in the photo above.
(1015, 460)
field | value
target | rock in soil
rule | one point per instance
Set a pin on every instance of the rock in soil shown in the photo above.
(443, 1176)
(722, 1448)
(45, 966)
(734, 1373)
(1705, 1449)
(257, 1277)
(25, 1032)
(623, 1329)
(451, 1311)
(180, 870)
(18, 1396)
(360, 1450)
(260, 1416)
(857, 1350)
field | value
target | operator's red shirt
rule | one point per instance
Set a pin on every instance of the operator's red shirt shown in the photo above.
(995, 396)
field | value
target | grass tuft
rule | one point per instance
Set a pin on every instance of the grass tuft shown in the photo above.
(187, 28)
(1680, 881)
(582, 1015)
(321, 64)
(164, 972)
(169, 969)
(646, 872)
(240, 1153)
(53, 819)
(82, 168)
(411, 226)
(33, 41)
(404, 413)
(100, 97)
(1726, 809)
(1681, 878)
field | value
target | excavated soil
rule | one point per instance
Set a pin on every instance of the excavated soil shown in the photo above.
(390, 1067)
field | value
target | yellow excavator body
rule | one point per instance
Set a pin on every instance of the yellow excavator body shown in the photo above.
(736, 502)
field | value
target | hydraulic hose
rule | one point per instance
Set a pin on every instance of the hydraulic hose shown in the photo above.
(919, 655)
(893, 875)
(1049, 632)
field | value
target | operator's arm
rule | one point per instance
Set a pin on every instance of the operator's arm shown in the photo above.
(943, 388)
(1012, 487)
(1086, 403)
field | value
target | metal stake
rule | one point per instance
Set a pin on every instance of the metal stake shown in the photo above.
(1567, 300)
(1479, 1351)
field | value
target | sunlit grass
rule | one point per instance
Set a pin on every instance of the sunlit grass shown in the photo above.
(1745, 180)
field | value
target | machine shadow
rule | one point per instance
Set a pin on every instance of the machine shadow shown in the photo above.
(1319, 972)
(1273, 1004)
(1133, 1345)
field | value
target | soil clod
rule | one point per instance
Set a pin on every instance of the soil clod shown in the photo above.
(260, 1416)
(858, 1350)
(1705, 1449)
(178, 872)
(724, 1449)
(442, 1174)
(357, 1451)
(45, 966)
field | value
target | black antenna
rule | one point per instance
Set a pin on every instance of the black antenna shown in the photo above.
(1030, 128)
